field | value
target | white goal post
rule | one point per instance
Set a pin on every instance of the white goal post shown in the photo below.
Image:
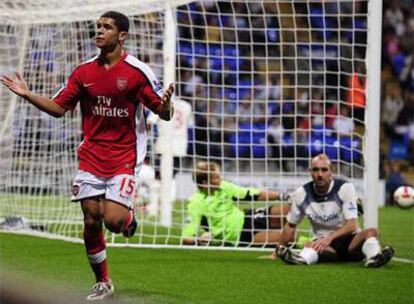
(269, 83)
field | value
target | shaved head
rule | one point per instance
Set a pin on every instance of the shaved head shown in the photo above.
(321, 157)
(321, 172)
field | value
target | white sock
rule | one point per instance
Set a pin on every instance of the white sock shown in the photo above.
(371, 247)
(309, 255)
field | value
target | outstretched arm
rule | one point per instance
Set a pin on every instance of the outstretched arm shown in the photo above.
(19, 87)
(189, 241)
(267, 195)
(168, 109)
(272, 196)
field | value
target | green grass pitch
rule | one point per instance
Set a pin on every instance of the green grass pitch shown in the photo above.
(200, 276)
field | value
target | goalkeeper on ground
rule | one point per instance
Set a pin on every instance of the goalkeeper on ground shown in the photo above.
(214, 215)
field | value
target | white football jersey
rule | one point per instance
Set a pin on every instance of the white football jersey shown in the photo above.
(178, 135)
(326, 213)
(146, 178)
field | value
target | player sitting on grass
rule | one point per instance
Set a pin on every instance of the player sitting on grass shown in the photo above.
(331, 206)
(214, 208)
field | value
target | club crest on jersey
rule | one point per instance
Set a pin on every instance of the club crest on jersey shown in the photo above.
(121, 83)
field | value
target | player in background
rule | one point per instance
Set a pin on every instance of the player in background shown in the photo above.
(178, 142)
(179, 129)
(112, 89)
(146, 179)
(331, 206)
(213, 209)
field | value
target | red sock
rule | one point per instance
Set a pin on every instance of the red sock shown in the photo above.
(96, 252)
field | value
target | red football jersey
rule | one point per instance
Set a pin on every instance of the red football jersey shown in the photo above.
(113, 123)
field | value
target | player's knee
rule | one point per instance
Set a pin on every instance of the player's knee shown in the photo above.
(113, 224)
(285, 210)
(371, 232)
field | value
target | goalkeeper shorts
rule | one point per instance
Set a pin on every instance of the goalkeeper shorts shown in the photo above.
(255, 221)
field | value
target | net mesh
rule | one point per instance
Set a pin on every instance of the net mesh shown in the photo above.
(269, 84)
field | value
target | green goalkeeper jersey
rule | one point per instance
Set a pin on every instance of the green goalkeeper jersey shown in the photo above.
(224, 218)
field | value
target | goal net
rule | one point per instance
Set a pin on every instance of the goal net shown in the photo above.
(261, 87)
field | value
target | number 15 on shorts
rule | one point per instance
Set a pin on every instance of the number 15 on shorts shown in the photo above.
(127, 187)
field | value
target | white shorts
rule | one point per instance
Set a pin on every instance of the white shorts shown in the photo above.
(120, 188)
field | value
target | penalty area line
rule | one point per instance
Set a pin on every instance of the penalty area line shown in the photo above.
(396, 259)
(401, 260)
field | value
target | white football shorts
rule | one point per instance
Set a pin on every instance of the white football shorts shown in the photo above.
(120, 188)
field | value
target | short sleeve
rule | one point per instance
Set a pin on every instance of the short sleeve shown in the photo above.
(68, 96)
(296, 214)
(151, 91)
(349, 199)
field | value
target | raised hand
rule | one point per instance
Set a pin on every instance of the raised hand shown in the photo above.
(16, 84)
(166, 97)
(168, 109)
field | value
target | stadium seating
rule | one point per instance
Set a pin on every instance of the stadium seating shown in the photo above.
(398, 148)
(249, 141)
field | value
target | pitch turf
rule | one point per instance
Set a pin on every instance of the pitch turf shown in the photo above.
(195, 276)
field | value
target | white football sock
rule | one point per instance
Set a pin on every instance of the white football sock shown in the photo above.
(371, 247)
(309, 255)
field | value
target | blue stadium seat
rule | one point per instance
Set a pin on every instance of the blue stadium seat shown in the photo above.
(259, 141)
(273, 108)
(238, 147)
(232, 63)
(398, 62)
(224, 20)
(320, 21)
(193, 7)
(190, 141)
(350, 149)
(332, 147)
(272, 35)
(319, 53)
(318, 132)
(214, 49)
(288, 106)
(316, 145)
(216, 63)
(259, 151)
(249, 141)
(324, 144)
(185, 48)
(244, 88)
(231, 94)
(200, 48)
(231, 51)
(398, 148)
(186, 51)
